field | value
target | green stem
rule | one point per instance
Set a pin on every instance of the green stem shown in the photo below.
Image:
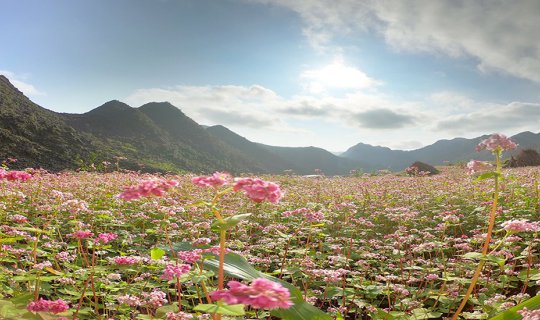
(485, 248)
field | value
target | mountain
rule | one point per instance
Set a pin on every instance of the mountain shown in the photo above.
(439, 153)
(160, 137)
(300, 160)
(37, 136)
(308, 160)
(377, 158)
(272, 162)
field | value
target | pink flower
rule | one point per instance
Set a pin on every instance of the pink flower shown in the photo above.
(18, 218)
(497, 141)
(125, 260)
(190, 256)
(107, 237)
(514, 226)
(259, 190)
(171, 271)
(57, 306)
(216, 180)
(529, 314)
(14, 175)
(147, 188)
(81, 234)
(474, 166)
(261, 294)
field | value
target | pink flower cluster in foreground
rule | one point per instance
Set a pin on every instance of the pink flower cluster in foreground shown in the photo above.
(515, 226)
(529, 314)
(81, 234)
(259, 190)
(497, 141)
(14, 175)
(125, 260)
(156, 187)
(216, 180)
(256, 189)
(106, 237)
(261, 294)
(57, 306)
(175, 271)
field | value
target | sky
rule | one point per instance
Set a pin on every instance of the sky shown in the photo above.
(330, 74)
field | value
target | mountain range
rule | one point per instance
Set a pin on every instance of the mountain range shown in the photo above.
(160, 137)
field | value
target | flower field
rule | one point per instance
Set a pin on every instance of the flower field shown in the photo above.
(382, 246)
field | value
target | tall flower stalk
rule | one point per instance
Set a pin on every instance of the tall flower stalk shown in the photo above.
(497, 144)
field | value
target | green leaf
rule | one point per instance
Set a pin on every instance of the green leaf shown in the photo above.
(162, 311)
(511, 314)
(229, 222)
(488, 257)
(9, 311)
(10, 240)
(220, 308)
(422, 313)
(487, 175)
(157, 253)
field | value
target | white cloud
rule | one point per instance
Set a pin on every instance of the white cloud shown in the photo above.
(336, 75)
(515, 117)
(502, 35)
(20, 83)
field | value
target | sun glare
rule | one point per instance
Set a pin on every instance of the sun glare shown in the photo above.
(336, 75)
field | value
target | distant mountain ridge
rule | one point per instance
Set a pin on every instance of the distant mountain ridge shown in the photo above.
(440, 153)
(160, 137)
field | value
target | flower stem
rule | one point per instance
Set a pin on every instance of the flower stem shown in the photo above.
(485, 248)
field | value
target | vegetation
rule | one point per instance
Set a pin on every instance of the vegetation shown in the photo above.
(365, 247)
(526, 158)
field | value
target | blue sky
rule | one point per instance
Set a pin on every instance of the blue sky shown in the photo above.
(401, 74)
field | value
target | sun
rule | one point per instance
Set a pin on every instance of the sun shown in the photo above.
(336, 75)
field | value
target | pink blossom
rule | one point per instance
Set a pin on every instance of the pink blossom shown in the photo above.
(125, 260)
(216, 180)
(130, 300)
(529, 314)
(18, 218)
(107, 237)
(156, 187)
(178, 316)
(261, 294)
(259, 190)
(190, 256)
(14, 175)
(81, 234)
(57, 306)
(171, 271)
(474, 166)
(521, 226)
(497, 141)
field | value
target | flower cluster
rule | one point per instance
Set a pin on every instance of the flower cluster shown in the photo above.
(104, 238)
(175, 271)
(57, 306)
(81, 234)
(125, 260)
(261, 294)
(256, 189)
(216, 180)
(529, 314)
(515, 226)
(259, 190)
(496, 142)
(474, 166)
(14, 175)
(190, 256)
(156, 187)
